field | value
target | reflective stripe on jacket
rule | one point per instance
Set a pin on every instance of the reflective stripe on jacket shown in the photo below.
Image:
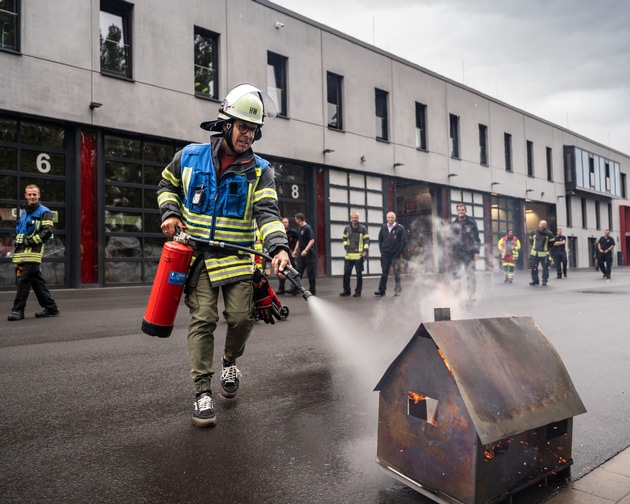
(355, 242)
(226, 209)
(541, 242)
(35, 228)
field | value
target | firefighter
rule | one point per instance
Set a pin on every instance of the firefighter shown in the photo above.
(34, 228)
(356, 242)
(509, 246)
(222, 191)
(541, 241)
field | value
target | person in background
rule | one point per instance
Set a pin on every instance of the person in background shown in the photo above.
(541, 241)
(605, 246)
(356, 242)
(223, 190)
(292, 237)
(304, 253)
(559, 254)
(509, 246)
(34, 228)
(464, 245)
(392, 240)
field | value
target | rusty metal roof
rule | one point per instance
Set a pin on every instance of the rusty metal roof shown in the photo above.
(510, 377)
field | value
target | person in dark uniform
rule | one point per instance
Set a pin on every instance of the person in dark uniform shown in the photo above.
(464, 245)
(541, 241)
(605, 246)
(392, 240)
(559, 254)
(304, 253)
(292, 237)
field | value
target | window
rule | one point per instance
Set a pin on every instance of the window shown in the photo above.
(483, 145)
(10, 25)
(584, 219)
(549, 164)
(453, 121)
(569, 214)
(591, 172)
(598, 223)
(607, 176)
(206, 63)
(623, 186)
(334, 84)
(610, 216)
(530, 158)
(115, 38)
(277, 81)
(382, 127)
(507, 142)
(421, 126)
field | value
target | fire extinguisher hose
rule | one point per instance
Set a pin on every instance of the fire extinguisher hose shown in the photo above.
(289, 271)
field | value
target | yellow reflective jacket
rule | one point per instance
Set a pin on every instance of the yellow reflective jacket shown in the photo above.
(355, 242)
(226, 209)
(34, 228)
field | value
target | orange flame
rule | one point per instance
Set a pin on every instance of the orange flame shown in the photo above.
(416, 398)
(448, 366)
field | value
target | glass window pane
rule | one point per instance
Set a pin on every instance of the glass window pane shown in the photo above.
(43, 136)
(152, 223)
(8, 216)
(357, 197)
(150, 199)
(152, 176)
(123, 272)
(8, 158)
(338, 195)
(153, 247)
(157, 152)
(123, 246)
(8, 25)
(338, 178)
(54, 272)
(8, 130)
(122, 147)
(205, 63)
(114, 47)
(8, 187)
(121, 221)
(357, 180)
(123, 172)
(118, 196)
(43, 162)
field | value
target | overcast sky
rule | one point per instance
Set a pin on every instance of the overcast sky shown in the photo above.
(566, 61)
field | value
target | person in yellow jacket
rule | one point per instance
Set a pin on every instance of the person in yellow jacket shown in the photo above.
(509, 246)
(222, 191)
(356, 242)
(34, 228)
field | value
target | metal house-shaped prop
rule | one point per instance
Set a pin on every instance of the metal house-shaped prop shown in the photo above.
(472, 411)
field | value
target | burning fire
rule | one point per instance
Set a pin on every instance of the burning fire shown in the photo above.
(448, 366)
(416, 398)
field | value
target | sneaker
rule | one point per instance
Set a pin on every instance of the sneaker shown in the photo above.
(533, 283)
(15, 315)
(48, 312)
(379, 293)
(204, 415)
(229, 379)
(343, 294)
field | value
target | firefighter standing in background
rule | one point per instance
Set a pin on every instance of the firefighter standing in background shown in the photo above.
(33, 229)
(509, 246)
(464, 247)
(356, 242)
(221, 191)
(559, 254)
(541, 241)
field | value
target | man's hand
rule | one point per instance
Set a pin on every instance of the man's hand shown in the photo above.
(279, 261)
(263, 299)
(169, 226)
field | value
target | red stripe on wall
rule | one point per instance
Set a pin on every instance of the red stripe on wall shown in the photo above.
(89, 231)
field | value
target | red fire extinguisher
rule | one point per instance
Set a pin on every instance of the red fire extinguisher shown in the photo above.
(168, 286)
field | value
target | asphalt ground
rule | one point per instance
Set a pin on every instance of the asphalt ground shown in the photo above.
(95, 411)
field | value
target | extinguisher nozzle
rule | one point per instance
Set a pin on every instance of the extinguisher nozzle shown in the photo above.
(294, 277)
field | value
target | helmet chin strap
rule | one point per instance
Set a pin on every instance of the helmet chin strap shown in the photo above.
(227, 134)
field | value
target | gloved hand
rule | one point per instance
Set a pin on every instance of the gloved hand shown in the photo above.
(264, 298)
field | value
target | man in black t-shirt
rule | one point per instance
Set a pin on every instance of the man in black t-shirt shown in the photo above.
(605, 246)
(304, 252)
(559, 253)
(292, 237)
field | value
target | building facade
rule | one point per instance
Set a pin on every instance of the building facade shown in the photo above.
(98, 95)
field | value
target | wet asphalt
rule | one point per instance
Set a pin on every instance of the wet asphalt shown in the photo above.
(92, 410)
